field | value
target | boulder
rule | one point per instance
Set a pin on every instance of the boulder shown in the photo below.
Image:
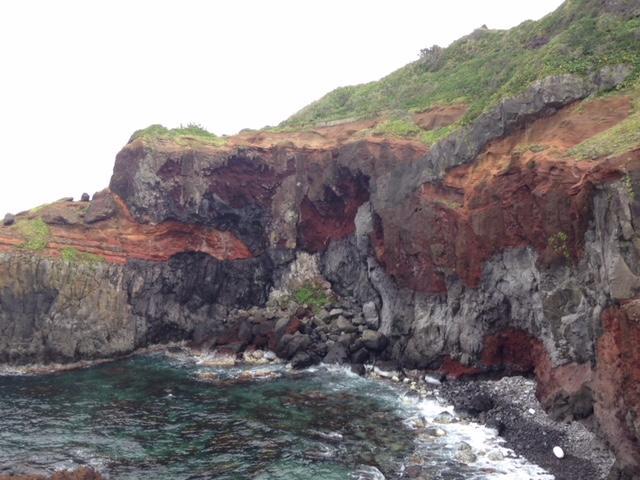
(102, 207)
(289, 344)
(85, 197)
(371, 317)
(374, 340)
(9, 219)
(344, 325)
(302, 360)
(360, 356)
(337, 353)
(58, 215)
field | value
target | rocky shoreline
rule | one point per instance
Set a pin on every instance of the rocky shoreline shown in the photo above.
(338, 332)
(509, 405)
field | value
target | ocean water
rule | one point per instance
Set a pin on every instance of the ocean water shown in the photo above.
(179, 416)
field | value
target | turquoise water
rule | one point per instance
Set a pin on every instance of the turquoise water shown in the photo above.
(180, 416)
(163, 418)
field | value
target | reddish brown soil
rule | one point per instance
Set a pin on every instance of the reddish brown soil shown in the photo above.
(120, 238)
(521, 191)
(439, 117)
(331, 218)
(617, 381)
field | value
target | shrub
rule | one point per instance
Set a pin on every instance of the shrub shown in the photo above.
(193, 132)
(36, 234)
(312, 295)
(558, 242)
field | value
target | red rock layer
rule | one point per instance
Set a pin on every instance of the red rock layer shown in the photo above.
(332, 217)
(120, 238)
(522, 191)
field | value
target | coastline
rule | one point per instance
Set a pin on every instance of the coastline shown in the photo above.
(507, 405)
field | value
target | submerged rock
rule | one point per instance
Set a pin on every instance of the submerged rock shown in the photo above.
(445, 418)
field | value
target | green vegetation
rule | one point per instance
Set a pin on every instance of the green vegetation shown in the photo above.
(559, 245)
(486, 66)
(183, 135)
(72, 255)
(432, 137)
(620, 138)
(312, 295)
(397, 127)
(36, 234)
(627, 181)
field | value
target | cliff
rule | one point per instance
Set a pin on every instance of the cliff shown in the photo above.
(493, 237)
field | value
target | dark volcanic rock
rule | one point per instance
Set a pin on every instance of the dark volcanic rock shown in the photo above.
(102, 310)
(102, 207)
(337, 353)
(375, 341)
(483, 254)
(9, 219)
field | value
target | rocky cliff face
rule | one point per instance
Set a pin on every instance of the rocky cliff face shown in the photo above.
(493, 251)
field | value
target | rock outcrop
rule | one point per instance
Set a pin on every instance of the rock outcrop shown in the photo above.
(494, 251)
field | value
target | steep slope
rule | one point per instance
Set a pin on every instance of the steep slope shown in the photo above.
(487, 66)
(509, 246)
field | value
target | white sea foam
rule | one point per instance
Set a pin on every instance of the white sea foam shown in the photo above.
(490, 451)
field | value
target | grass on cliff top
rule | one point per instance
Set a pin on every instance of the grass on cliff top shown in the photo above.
(35, 232)
(183, 135)
(621, 138)
(489, 65)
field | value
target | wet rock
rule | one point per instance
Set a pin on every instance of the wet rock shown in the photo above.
(432, 380)
(444, 418)
(464, 453)
(337, 353)
(360, 356)
(289, 344)
(358, 368)
(495, 456)
(9, 219)
(435, 432)
(302, 360)
(367, 472)
(321, 452)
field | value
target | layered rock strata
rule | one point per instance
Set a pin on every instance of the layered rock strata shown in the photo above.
(494, 251)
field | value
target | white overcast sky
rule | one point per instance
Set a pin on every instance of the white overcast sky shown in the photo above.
(78, 77)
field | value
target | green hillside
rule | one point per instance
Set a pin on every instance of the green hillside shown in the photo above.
(480, 69)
